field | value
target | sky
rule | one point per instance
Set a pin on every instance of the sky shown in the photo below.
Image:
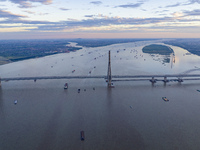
(42, 19)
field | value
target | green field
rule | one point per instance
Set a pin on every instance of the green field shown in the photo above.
(157, 49)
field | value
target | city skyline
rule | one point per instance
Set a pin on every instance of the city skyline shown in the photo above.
(42, 19)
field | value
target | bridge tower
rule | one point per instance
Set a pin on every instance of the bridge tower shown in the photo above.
(109, 76)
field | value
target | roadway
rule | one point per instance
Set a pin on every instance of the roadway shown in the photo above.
(136, 77)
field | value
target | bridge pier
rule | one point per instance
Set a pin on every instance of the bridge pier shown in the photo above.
(165, 80)
(0, 82)
(153, 80)
(180, 80)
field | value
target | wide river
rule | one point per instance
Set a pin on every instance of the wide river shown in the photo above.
(131, 116)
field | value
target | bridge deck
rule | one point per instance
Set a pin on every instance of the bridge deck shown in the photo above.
(138, 77)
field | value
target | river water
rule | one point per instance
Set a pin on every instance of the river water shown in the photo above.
(131, 116)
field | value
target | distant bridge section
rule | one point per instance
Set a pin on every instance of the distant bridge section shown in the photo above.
(50, 77)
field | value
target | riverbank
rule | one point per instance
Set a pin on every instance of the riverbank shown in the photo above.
(18, 50)
(4, 61)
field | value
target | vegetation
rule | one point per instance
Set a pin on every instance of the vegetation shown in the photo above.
(16, 50)
(157, 49)
(192, 45)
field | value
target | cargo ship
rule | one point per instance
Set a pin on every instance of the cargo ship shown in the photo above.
(15, 102)
(66, 86)
(82, 136)
(165, 99)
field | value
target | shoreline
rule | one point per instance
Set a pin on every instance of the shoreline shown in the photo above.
(4, 61)
(71, 45)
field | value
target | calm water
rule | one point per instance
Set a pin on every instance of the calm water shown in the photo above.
(131, 116)
(125, 117)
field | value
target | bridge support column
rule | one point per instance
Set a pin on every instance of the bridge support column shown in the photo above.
(153, 80)
(180, 80)
(165, 80)
(109, 76)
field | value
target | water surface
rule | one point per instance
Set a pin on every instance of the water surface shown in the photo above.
(130, 116)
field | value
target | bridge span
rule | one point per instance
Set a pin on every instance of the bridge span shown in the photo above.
(152, 78)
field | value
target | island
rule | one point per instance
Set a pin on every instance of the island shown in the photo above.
(157, 49)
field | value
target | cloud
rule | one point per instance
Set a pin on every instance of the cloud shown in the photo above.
(162, 11)
(64, 9)
(115, 21)
(89, 16)
(175, 5)
(190, 2)
(9, 18)
(7, 14)
(96, 16)
(195, 12)
(43, 14)
(178, 14)
(96, 2)
(46, 2)
(119, 24)
(28, 3)
(130, 5)
(30, 12)
(99, 22)
(35, 13)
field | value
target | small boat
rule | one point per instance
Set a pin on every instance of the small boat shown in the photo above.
(15, 102)
(165, 99)
(79, 90)
(66, 86)
(82, 136)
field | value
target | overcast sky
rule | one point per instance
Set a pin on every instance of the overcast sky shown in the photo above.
(36, 19)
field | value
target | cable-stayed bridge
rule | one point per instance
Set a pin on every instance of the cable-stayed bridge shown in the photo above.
(114, 77)
(111, 78)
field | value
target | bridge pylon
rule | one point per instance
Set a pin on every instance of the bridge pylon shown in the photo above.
(109, 76)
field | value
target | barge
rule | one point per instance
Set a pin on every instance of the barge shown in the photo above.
(15, 102)
(82, 136)
(66, 86)
(165, 99)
